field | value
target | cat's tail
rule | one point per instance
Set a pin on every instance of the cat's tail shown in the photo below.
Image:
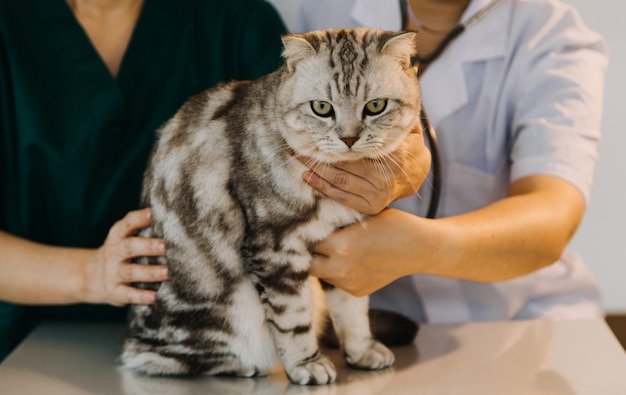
(390, 328)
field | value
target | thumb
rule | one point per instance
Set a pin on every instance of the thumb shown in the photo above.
(319, 266)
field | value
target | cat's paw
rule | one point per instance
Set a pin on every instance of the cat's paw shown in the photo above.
(316, 372)
(377, 356)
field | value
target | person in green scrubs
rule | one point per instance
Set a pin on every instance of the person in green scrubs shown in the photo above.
(83, 87)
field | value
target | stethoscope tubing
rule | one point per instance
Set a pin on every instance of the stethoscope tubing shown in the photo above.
(435, 164)
(427, 128)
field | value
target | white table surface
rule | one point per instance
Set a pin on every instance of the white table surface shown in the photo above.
(501, 358)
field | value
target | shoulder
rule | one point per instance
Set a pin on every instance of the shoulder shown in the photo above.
(5, 10)
(542, 10)
(246, 34)
(302, 15)
(233, 12)
(551, 23)
(551, 44)
(16, 16)
(223, 18)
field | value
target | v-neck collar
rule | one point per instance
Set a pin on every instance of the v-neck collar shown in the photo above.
(68, 41)
(151, 34)
(444, 84)
(66, 31)
(108, 96)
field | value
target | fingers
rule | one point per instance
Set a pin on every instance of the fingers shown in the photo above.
(126, 294)
(337, 274)
(128, 248)
(121, 275)
(132, 223)
(412, 161)
(318, 266)
(119, 286)
(322, 268)
(137, 273)
(354, 176)
(370, 185)
(112, 274)
(134, 247)
(346, 184)
(338, 193)
(329, 262)
(359, 258)
(125, 272)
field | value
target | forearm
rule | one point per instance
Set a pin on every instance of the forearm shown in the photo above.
(33, 273)
(512, 237)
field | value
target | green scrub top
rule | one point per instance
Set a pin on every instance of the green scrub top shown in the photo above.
(74, 141)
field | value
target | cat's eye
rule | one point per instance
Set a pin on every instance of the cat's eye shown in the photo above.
(322, 108)
(375, 107)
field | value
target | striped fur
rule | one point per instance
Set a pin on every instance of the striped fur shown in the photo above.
(228, 197)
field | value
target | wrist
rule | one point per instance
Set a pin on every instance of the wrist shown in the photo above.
(430, 246)
(86, 275)
(408, 238)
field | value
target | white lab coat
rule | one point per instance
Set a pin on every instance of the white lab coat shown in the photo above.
(517, 94)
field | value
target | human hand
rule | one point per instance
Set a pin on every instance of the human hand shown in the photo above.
(368, 255)
(110, 270)
(368, 186)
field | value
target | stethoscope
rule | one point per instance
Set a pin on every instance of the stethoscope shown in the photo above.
(427, 128)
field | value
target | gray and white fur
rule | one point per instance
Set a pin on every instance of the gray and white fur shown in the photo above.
(228, 196)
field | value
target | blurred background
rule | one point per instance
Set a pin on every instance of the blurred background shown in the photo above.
(601, 238)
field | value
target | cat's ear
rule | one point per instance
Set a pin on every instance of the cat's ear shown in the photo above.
(296, 48)
(402, 47)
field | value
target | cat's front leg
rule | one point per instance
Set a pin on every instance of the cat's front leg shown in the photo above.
(350, 320)
(287, 299)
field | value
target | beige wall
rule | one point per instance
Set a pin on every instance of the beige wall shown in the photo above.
(602, 236)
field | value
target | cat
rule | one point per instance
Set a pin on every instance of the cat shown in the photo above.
(228, 196)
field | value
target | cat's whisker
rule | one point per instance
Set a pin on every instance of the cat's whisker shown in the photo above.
(389, 174)
(318, 160)
(289, 159)
(398, 164)
(427, 180)
(401, 150)
(384, 171)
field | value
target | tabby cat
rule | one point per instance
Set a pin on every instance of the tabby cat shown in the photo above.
(228, 196)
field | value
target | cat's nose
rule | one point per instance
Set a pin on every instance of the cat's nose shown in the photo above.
(349, 141)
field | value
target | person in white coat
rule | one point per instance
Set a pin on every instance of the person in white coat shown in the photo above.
(516, 102)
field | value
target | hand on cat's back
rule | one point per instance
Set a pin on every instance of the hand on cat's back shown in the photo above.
(369, 185)
(109, 271)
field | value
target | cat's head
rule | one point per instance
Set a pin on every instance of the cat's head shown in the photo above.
(348, 94)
